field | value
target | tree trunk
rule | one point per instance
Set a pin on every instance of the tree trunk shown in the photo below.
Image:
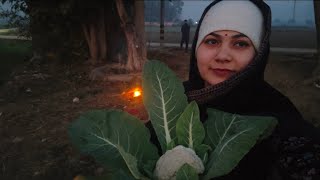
(90, 34)
(36, 33)
(102, 36)
(135, 46)
(95, 33)
(316, 4)
(139, 22)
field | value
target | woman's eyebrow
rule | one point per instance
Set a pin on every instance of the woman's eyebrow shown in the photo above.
(239, 35)
(214, 34)
(234, 36)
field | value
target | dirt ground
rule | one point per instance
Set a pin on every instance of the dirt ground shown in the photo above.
(36, 107)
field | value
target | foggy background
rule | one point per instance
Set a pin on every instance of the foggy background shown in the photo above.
(293, 23)
(284, 12)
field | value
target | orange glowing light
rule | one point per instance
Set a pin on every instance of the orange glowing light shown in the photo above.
(136, 93)
(133, 93)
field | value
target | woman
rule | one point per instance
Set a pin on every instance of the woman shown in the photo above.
(229, 56)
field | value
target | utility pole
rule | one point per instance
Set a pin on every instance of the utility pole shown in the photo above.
(161, 23)
(294, 11)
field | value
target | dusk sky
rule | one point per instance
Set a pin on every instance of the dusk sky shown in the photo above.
(281, 9)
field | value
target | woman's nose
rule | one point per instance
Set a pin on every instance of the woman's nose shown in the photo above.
(223, 55)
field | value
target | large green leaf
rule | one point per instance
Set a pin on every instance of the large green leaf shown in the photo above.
(115, 139)
(190, 131)
(232, 136)
(187, 172)
(202, 151)
(164, 99)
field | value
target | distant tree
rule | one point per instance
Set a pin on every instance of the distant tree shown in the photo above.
(173, 9)
(191, 22)
(178, 22)
(17, 15)
(62, 26)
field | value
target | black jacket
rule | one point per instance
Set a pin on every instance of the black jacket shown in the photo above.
(247, 93)
(185, 30)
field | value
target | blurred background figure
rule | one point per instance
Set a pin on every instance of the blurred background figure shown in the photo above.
(185, 31)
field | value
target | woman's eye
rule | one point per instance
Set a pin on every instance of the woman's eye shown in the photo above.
(242, 44)
(211, 41)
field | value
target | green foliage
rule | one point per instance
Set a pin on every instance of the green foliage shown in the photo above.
(115, 139)
(164, 99)
(55, 26)
(17, 16)
(186, 172)
(232, 136)
(203, 151)
(190, 131)
(120, 141)
(8, 32)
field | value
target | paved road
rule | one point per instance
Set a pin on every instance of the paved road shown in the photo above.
(273, 49)
(281, 40)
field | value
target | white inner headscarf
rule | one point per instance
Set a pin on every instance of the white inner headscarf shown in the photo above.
(241, 15)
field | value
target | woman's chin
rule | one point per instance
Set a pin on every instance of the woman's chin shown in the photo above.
(213, 82)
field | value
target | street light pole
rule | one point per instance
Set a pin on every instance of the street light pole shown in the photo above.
(161, 23)
(294, 11)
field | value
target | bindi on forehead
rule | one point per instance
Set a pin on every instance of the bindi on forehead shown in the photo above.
(225, 34)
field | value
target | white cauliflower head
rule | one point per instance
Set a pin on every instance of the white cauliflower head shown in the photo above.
(169, 163)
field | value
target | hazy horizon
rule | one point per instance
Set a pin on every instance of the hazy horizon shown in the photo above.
(282, 11)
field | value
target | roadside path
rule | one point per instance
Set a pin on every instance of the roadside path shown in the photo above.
(14, 37)
(273, 49)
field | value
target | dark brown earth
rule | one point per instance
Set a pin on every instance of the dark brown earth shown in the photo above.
(36, 107)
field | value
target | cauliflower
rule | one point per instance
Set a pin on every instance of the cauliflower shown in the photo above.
(169, 163)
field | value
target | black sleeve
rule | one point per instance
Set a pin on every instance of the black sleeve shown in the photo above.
(290, 121)
(292, 124)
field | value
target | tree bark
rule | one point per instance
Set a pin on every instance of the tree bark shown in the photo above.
(136, 57)
(102, 36)
(139, 22)
(316, 4)
(36, 33)
(95, 33)
(90, 34)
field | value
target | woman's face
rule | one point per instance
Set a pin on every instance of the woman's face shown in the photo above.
(223, 53)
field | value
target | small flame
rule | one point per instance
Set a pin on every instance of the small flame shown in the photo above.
(137, 92)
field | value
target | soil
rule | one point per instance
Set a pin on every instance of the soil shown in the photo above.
(42, 98)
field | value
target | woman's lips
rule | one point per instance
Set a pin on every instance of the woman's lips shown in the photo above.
(222, 72)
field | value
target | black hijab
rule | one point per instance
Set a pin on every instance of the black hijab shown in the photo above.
(252, 74)
(247, 92)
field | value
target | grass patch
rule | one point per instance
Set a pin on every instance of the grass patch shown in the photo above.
(9, 32)
(12, 54)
